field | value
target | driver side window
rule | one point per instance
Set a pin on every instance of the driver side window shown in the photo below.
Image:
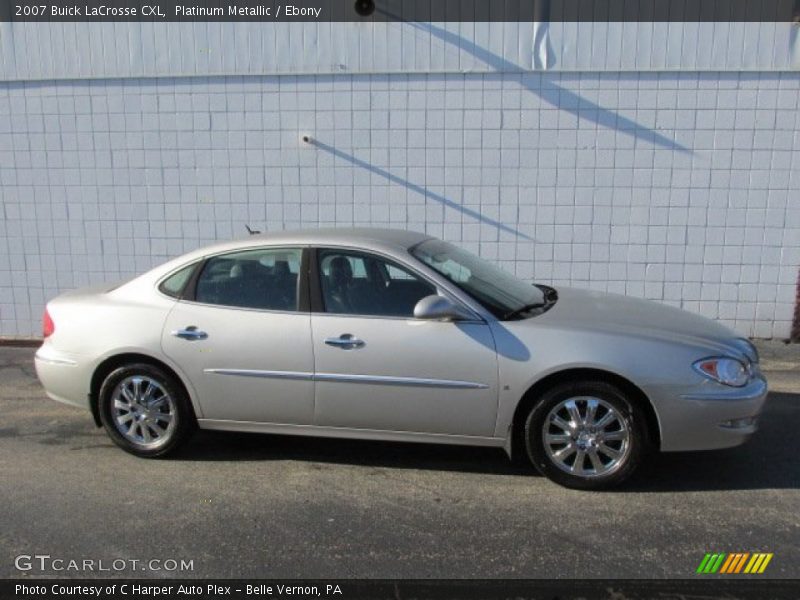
(357, 283)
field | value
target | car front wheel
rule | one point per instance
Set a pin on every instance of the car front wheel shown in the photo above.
(586, 435)
(144, 410)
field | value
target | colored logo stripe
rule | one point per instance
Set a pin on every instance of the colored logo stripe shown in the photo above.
(734, 563)
(703, 563)
(732, 559)
(722, 562)
(758, 563)
(711, 563)
(741, 562)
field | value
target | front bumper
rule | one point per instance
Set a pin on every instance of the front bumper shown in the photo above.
(710, 416)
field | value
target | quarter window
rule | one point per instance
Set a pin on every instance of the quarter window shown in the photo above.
(175, 283)
(263, 279)
(364, 284)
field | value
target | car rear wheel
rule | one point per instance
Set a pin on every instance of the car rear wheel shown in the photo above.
(586, 435)
(144, 410)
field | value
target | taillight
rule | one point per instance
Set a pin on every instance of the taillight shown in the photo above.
(48, 327)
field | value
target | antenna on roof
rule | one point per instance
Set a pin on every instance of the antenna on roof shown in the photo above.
(251, 231)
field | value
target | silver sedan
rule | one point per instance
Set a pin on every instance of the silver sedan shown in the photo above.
(393, 335)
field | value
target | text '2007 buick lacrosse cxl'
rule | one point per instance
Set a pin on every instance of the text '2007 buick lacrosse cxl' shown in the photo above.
(392, 335)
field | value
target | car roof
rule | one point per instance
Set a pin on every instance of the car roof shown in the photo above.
(367, 236)
(359, 237)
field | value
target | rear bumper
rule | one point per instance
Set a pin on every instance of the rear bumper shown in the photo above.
(65, 377)
(709, 417)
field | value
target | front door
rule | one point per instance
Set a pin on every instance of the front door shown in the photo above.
(243, 342)
(379, 368)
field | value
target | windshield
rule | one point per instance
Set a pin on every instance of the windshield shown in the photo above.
(498, 291)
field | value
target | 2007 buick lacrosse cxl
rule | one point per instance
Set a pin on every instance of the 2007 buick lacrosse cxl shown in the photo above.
(393, 335)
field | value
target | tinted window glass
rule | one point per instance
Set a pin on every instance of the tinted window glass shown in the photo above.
(265, 279)
(174, 284)
(364, 284)
(498, 291)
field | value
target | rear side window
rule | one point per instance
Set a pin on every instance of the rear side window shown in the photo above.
(175, 283)
(263, 279)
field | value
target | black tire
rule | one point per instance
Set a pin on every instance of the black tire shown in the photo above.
(629, 423)
(178, 429)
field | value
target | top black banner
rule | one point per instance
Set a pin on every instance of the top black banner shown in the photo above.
(402, 10)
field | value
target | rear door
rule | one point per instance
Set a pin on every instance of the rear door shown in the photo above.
(243, 337)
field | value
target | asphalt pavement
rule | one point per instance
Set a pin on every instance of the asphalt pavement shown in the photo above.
(269, 506)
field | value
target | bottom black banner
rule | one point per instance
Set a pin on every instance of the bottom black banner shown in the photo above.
(532, 589)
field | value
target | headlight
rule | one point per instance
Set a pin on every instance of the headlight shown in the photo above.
(728, 371)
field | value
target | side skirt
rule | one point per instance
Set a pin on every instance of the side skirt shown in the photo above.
(348, 433)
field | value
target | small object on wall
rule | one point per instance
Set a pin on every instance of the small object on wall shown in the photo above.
(364, 8)
(251, 231)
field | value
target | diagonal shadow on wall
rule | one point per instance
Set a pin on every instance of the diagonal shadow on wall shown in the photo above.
(553, 94)
(417, 188)
(558, 96)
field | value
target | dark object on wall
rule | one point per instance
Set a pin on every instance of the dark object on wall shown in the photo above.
(20, 343)
(541, 11)
(795, 335)
(251, 231)
(364, 8)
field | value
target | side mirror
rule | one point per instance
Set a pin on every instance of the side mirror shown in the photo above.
(439, 308)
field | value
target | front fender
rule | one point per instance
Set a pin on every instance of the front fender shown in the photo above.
(646, 363)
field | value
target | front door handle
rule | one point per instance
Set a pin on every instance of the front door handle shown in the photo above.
(190, 333)
(346, 341)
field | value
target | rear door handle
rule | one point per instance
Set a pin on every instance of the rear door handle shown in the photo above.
(190, 333)
(346, 341)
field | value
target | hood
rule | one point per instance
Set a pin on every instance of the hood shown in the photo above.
(614, 313)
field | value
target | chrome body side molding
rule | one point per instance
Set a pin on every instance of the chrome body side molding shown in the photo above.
(265, 374)
(348, 378)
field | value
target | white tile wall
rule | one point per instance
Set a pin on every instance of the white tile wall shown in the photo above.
(681, 188)
(71, 50)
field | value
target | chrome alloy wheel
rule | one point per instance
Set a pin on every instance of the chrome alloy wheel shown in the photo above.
(586, 436)
(144, 413)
